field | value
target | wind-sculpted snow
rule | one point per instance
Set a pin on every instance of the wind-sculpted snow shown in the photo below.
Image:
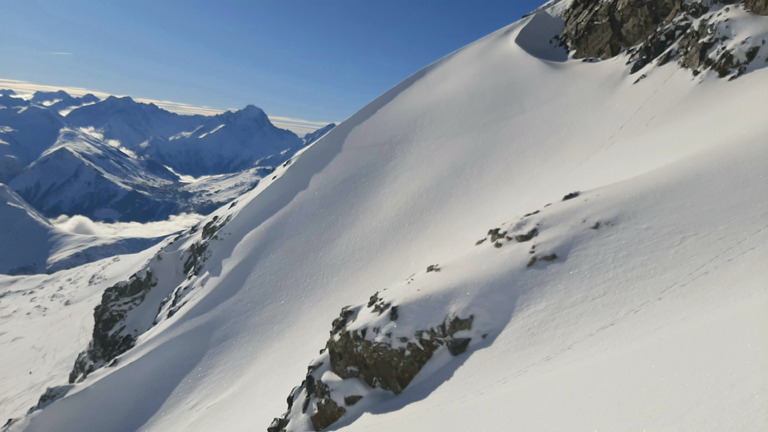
(637, 295)
(381, 346)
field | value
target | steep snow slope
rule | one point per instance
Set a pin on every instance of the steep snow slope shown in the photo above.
(644, 308)
(44, 321)
(28, 131)
(25, 233)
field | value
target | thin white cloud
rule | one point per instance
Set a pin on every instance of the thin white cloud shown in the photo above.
(26, 89)
(60, 53)
(83, 225)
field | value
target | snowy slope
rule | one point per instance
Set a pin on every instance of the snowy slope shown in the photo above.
(32, 244)
(644, 308)
(25, 233)
(44, 320)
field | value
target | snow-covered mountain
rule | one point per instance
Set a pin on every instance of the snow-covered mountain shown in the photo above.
(316, 135)
(510, 239)
(118, 159)
(226, 143)
(32, 244)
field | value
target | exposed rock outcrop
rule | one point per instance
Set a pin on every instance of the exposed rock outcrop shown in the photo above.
(51, 395)
(366, 353)
(114, 331)
(694, 33)
(110, 335)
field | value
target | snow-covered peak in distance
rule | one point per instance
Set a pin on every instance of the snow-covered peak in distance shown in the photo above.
(130, 122)
(144, 151)
(316, 135)
(41, 97)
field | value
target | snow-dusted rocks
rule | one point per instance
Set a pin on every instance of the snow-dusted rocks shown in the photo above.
(111, 336)
(723, 36)
(374, 353)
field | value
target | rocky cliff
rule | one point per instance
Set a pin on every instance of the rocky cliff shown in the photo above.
(698, 35)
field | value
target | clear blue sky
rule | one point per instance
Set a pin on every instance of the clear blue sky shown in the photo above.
(310, 59)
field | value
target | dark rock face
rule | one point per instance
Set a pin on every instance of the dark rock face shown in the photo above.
(327, 413)
(51, 395)
(534, 259)
(600, 29)
(113, 334)
(197, 257)
(653, 30)
(351, 400)
(759, 7)
(110, 336)
(379, 360)
(381, 365)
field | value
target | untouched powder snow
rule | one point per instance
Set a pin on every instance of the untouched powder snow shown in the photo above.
(650, 314)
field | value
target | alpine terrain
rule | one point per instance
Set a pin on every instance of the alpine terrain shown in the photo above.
(122, 160)
(561, 226)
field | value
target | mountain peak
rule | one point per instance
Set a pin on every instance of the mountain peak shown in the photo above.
(252, 110)
(122, 100)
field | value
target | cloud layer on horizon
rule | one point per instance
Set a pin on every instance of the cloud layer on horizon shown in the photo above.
(24, 88)
(85, 226)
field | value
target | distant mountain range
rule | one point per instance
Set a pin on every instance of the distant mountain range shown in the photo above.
(122, 160)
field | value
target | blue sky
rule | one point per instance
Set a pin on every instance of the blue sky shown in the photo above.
(315, 60)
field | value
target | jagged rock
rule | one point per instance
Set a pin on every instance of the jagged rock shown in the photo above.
(51, 395)
(571, 195)
(381, 362)
(653, 30)
(197, 257)
(602, 29)
(534, 259)
(522, 238)
(759, 7)
(110, 337)
(433, 268)
(496, 234)
(8, 424)
(278, 425)
(327, 413)
(351, 400)
(394, 314)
